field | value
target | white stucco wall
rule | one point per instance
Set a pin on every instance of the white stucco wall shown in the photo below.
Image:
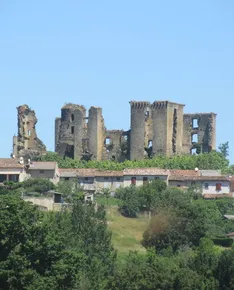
(111, 183)
(225, 187)
(139, 179)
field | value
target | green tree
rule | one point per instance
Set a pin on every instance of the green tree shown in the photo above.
(224, 149)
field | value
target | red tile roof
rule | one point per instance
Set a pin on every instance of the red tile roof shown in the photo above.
(10, 163)
(42, 165)
(145, 171)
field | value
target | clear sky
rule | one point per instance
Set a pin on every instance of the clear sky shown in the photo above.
(106, 53)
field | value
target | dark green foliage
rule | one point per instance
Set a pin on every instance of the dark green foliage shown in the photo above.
(224, 242)
(130, 205)
(37, 185)
(134, 199)
(224, 149)
(212, 160)
(67, 250)
(183, 218)
(225, 270)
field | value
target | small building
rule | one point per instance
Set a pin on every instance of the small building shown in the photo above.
(212, 186)
(46, 170)
(141, 176)
(11, 170)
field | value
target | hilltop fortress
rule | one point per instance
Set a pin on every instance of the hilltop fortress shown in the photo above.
(156, 128)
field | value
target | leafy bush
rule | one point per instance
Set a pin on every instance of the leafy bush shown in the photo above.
(224, 242)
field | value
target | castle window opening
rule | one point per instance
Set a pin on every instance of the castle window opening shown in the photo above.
(72, 129)
(194, 138)
(72, 117)
(107, 141)
(29, 133)
(194, 151)
(150, 144)
(195, 123)
(147, 114)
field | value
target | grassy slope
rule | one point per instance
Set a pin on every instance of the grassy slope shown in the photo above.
(126, 232)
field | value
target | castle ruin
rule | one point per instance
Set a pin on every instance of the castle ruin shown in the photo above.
(26, 144)
(160, 128)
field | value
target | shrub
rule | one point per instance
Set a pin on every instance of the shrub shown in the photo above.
(224, 242)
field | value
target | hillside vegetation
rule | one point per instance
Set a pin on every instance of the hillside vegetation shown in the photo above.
(212, 160)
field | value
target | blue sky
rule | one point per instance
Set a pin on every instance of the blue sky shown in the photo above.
(106, 53)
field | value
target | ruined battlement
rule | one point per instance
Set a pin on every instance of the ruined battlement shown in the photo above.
(26, 143)
(158, 128)
(139, 104)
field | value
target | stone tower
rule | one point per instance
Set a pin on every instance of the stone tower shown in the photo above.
(26, 143)
(78, 136)
(167, 118)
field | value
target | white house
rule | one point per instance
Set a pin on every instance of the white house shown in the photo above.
(12, 170)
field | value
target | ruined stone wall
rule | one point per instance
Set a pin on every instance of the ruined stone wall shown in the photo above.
(27, 142)
(159, 117)
(96, 132)
(138, 129)
(115, 145)
(68, 130)
(158, 128)
(199, 132)
(174, 128)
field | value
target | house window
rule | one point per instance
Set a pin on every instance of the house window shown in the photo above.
(118, 178)
(145, 180)
(218, 186)
(66, 178)
(193, 183)
(156, 177)
(42, 171)
(133, 180)
(178, 185)
(206, 185)
(3, 177)
(86, 178)
(72, 129)
(106, 178)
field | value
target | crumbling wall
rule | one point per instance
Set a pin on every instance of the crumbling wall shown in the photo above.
(96, 133)
(116, 146)
(69, 130)
(139, 112)
(27, 142)
(199, 133)
(157, 128)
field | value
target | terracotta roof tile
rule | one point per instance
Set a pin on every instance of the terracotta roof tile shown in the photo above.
(145, 171)
(10, 163)
(194, 178)
(42, 165)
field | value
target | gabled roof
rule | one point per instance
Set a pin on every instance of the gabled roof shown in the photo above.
(88, 172)
(198, 178)
(43, 165)
(10, 163)
(146, 171)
